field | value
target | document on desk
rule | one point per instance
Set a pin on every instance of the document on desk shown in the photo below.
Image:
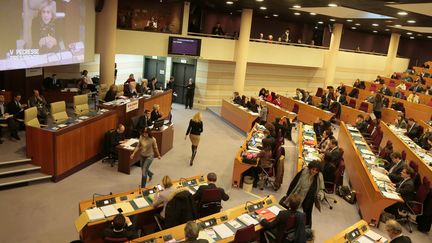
(235, 224)
(223, 231)
(95, 214)
(274, 209)
(391, 195)
(141, 202)
(109, 210)
(203, 235)
(364, 239)
(126, 207)
(247, 219)
(374, 235)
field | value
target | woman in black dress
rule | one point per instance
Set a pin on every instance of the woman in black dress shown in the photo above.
(194, 131)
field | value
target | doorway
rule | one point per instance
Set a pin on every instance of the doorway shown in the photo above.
(182, 73)
(155, 68)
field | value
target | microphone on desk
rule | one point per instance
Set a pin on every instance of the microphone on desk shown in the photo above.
(99, 195)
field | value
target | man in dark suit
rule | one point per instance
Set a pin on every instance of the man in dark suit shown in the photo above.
(144, 121)
(394, 231)
(395, 169)
(406, 187)
(6, 118)
(15, 108)
(385, 90)
(398, 93)
(361, 124)
(417, 88)
(331, 159)
(341, 98)
(211, 179)
(413, 129)
(307, 98)
(121, 227)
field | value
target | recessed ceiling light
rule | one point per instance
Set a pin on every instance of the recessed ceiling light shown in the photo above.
(398, 25)
(411, 37)
(411, 21)
(266, 17)
(390, 2)
(296, 6)
(429, 36)
(375, 25)
(409, 33)
(275, 15)
(357, 24)
(263, 8)
(419, 35)
(297, 13)
(402, 13)
(320, 22)
(332, 20)
(312, 13)
(349, 20)
(353, 27)
(229, 2)
(387, 29)
(375, 31)
(332, 5)
(260, 0)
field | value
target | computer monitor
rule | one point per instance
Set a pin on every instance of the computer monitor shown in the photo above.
(158, 124)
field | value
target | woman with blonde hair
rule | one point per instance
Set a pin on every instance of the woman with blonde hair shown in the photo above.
(194, 131)
(163, 197)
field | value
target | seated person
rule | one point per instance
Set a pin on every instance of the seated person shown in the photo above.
(397, 106)
(307, 98)
(41, 104)
(144, 121)
(252, 105)
(341, 89)
(152, 86)
(394, 169)
(211, 180)
(279, 226)
(361, 124)
(86, 82)
(111, 93)
(405, 188)
(428, 146)
(422, 141)
(130, 79)
(262, 93)
(413, 129)
(121, 227)
(269, 135)
(265, 155)
(394, 231)
(400, 122)
(163, 197)
(386, 152)
(414, 98)
(299, 94)
(385, 90)
(324, 144)
(331, 159)
(244, 101)
(15, 108)
(237, 99)
(401, 86)
(6, 118)
(398, 93)
(379, 80)
(191, 233)
(130, 89)
(320, 126)
(359, 84)
(354, 93)
(155, 114)
(283, 127)
(341, 98)
(117, 138)
(417, 87)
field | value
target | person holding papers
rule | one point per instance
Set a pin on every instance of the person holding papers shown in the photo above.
(309, 185)
(191, 233)
(279, 226)
(163, 197)
(121, 227)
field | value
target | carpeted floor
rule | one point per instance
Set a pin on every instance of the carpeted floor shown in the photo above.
(45, 212)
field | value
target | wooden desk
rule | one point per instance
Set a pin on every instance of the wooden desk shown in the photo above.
(177, 232)
(340, 237)
(164, 139)
(57, 95)
(307, 113)
(93, 231)
(241, 118)
(162, 99)
(62, 152)
(399, 145)
(300, 161)
(370, 200)
(276, 111)
(239, 166)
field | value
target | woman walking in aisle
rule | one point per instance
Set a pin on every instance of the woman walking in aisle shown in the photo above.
(147, 146)
(194, 131)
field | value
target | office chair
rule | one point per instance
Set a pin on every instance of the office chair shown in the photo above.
(58, 112)
(415, 208)
(134, 131)
(290, 225)
(246, 235)
(417, 178)
(210, 202)
(30, 117)
(373, 87)
(115, 240)
(109, 150)
(330, 186)
(352, 103)
(295, 109)
(364, 106)
(319, 92)
(81, 104)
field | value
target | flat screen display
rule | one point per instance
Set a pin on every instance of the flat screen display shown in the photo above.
(184, 46)
(38, 33)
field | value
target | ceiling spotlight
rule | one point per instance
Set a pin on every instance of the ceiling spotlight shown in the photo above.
(411, 37)
(419, 35)
(263, 8)
(260, 0)
(353, 27)
(375, 25)
(332, 5)
(387, 29)
(402, 13)
(275, 15)
(266, 17)
(375, 31)
(349, 20)
(296, 6)
(357, 24)
(297, 13)
(229, 2)
(332, 20)
(409, 33)
(320, 22)
(312, 13)
(411, 21)
(429, 36)
(398, 25)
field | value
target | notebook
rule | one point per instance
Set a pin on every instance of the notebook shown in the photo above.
(109, 210)
(223, 231)
(95, 214)
(247, 219)
(266, 214)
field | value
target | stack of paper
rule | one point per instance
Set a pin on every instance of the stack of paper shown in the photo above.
(95, 214)
(141, 202)
(223, 231)
(126, 207)
(275, 209)
(247, 219)
(109, 210)
(235, 224)
(203, 235)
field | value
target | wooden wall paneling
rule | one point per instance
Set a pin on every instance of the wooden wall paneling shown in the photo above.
(40, 147)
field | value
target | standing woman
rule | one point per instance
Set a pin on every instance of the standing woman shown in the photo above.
(194, 131)
(147, 147)
(377, 106)
(190, 92)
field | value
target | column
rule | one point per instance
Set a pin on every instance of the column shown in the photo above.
(106, 28)
(185, 23)
(241, 51)
(332, 54)
(391, 53)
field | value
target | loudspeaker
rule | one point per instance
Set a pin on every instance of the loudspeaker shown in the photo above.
(99, 5)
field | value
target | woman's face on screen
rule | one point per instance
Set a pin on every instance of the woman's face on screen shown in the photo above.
(46, 15)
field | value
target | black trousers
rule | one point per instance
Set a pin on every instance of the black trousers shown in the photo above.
(12, 125)
(189, 100)
(307, 206)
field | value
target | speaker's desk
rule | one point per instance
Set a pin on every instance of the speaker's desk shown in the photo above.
(63, 149)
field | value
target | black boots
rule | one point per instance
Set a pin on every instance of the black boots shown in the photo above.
(194, 151)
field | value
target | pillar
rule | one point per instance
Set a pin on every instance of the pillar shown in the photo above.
(241, 51)
(106, 28)
(332, 54)
(391, 53)
(185, 23)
